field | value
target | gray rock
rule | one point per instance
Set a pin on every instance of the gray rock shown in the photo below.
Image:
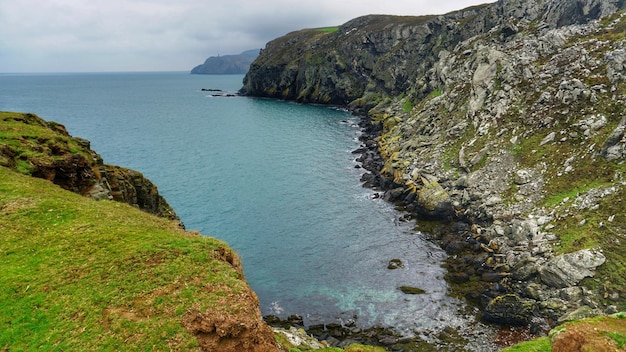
(523, 177)
(616, 65)
(569, 269)
(615, 146)
(522, 231)
(572, 294)
(580, 313)
(549, 138)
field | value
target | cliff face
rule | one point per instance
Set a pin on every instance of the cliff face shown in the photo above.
(48, 151)
(375, 55)
(505, 121)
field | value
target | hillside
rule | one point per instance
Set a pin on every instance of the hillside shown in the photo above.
(80, 274)
(502, 128)
(227, 64)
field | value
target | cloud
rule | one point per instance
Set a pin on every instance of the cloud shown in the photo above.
(133, 35)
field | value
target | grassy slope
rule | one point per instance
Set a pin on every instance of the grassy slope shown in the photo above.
(81, 274)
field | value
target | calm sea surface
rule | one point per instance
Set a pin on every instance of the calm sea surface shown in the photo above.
(275, 180)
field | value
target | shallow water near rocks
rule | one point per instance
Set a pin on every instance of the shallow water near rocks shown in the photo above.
(275, 180)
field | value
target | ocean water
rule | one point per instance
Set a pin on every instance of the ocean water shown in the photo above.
(275, 180)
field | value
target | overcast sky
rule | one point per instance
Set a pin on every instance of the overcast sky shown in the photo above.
(167, 35)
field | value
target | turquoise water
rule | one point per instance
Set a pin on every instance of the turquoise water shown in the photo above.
(275, 180)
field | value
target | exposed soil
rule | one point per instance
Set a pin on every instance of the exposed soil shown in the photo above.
(605, 334)
(217, 330)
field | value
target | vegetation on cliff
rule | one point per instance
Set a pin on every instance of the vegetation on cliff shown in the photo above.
(35, 147)
(607, 333)
(86, 273)
(80, 272)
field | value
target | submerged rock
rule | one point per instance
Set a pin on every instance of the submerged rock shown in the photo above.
(395, 264)
(409, 290)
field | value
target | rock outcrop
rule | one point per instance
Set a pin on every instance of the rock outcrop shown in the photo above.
(373, 56)
(51, 153)
(505, 122)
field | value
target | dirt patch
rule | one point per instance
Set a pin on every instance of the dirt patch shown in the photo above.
(606, 334)
(243, 330)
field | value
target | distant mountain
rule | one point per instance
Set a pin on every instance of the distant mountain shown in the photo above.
(227, 64)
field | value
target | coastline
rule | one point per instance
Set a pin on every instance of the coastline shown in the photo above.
(508, 148)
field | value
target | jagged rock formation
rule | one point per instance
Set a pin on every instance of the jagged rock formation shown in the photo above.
(70, 163)
(227, 64)
(505, 121)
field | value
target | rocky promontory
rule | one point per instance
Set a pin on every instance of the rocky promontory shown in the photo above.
(48, 151)
(227, 64)
(501, 127)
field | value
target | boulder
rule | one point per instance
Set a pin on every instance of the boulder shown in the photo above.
(614, 147)
(522, 231)
(523, 177)
(509, 309)
(580, 313)
(432, 197)
(569, 269)
(410, 290)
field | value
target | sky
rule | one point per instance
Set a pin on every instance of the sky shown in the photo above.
(167, 35)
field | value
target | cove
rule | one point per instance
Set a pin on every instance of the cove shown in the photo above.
(275, 180)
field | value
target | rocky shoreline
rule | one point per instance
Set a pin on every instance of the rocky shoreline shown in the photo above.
(509, 310)
(507, 143)
(503, 257)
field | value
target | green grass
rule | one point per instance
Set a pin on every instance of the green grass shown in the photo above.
(26, 140)
(620, 339)
(407, 106)
(84, 275)
(435, 93)
(557, 198)
(537, 345)
(328, 29)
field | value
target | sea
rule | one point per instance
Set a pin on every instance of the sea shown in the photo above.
(275, 180)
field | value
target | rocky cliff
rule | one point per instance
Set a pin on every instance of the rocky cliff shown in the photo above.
(505, 123)
(46, 150)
